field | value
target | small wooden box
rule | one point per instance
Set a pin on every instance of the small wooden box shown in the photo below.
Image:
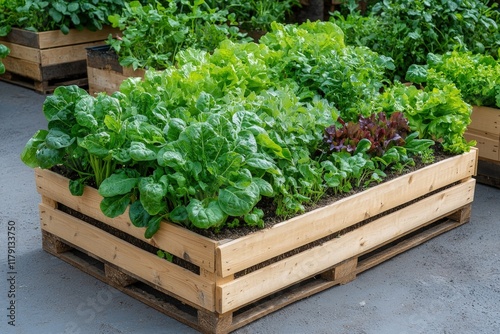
(105, 74)
(44, 60)
(238, 281)
(485, 129)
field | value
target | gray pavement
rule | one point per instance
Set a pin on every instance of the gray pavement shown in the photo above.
(451, 284)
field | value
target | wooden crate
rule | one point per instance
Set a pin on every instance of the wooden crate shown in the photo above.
(485, 130)
(105, 74)
(235, 282)
(44, 60)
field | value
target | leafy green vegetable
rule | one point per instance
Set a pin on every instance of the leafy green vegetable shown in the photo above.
(4, 52)
(257, 14)
(438, 114)
(153, 34)
(408, 30)
(203, 142)
(40, 15)
(476, 76)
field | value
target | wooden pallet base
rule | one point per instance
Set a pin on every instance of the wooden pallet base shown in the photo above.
(488, 172)
(46, 86)
(212, 322)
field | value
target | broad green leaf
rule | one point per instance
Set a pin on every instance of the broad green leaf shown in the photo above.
(152, 194)
(173, 128)
(4, 50)
(138, 215)
(154, 225)
(84, 112)
(245, 143)
(205, 214)
(96, 144)
(363, 146)
(48, 157)
(118, 183)
(238, 202)
(179, 214)
(76, 187)
(142, 131)
(114, 206)
(56, 15)
(29, 153)
(140, 152)
(416, 74)
(265, 188)
(169, 156)
(57, 139)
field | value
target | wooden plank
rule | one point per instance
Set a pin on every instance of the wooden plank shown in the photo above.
(489, 147)
(162, 302)
(485, 119)
(326, 281)
(409, 243)
(255, 248)
(130, 72)
(265, 281)
(101, 80)
(22, 37)
(488, 172)
(176, 240)
(64, 70)
(65, 54)
(23, 52)
(55, 38)
(146, 266)
(22, 67)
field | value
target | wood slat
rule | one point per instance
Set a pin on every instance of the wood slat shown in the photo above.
(485, 119)
(144, 265)
(104, 80)
(488, 172)
(22, 67)
(488, 146)
(255, 248)
(265, 281)
(55, 38)
(23, 52)
(65, 54)
(176, 240)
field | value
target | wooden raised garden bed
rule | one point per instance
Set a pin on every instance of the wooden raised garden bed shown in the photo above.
(485, 130)
(224, 285)
(44, 60)
(105, 74)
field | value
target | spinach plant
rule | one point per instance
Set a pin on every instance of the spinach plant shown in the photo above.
(40, 15)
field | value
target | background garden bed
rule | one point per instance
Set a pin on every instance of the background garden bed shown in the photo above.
(45, 60)
(485, 130)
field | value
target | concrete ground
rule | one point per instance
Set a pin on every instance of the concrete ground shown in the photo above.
(451, 284)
